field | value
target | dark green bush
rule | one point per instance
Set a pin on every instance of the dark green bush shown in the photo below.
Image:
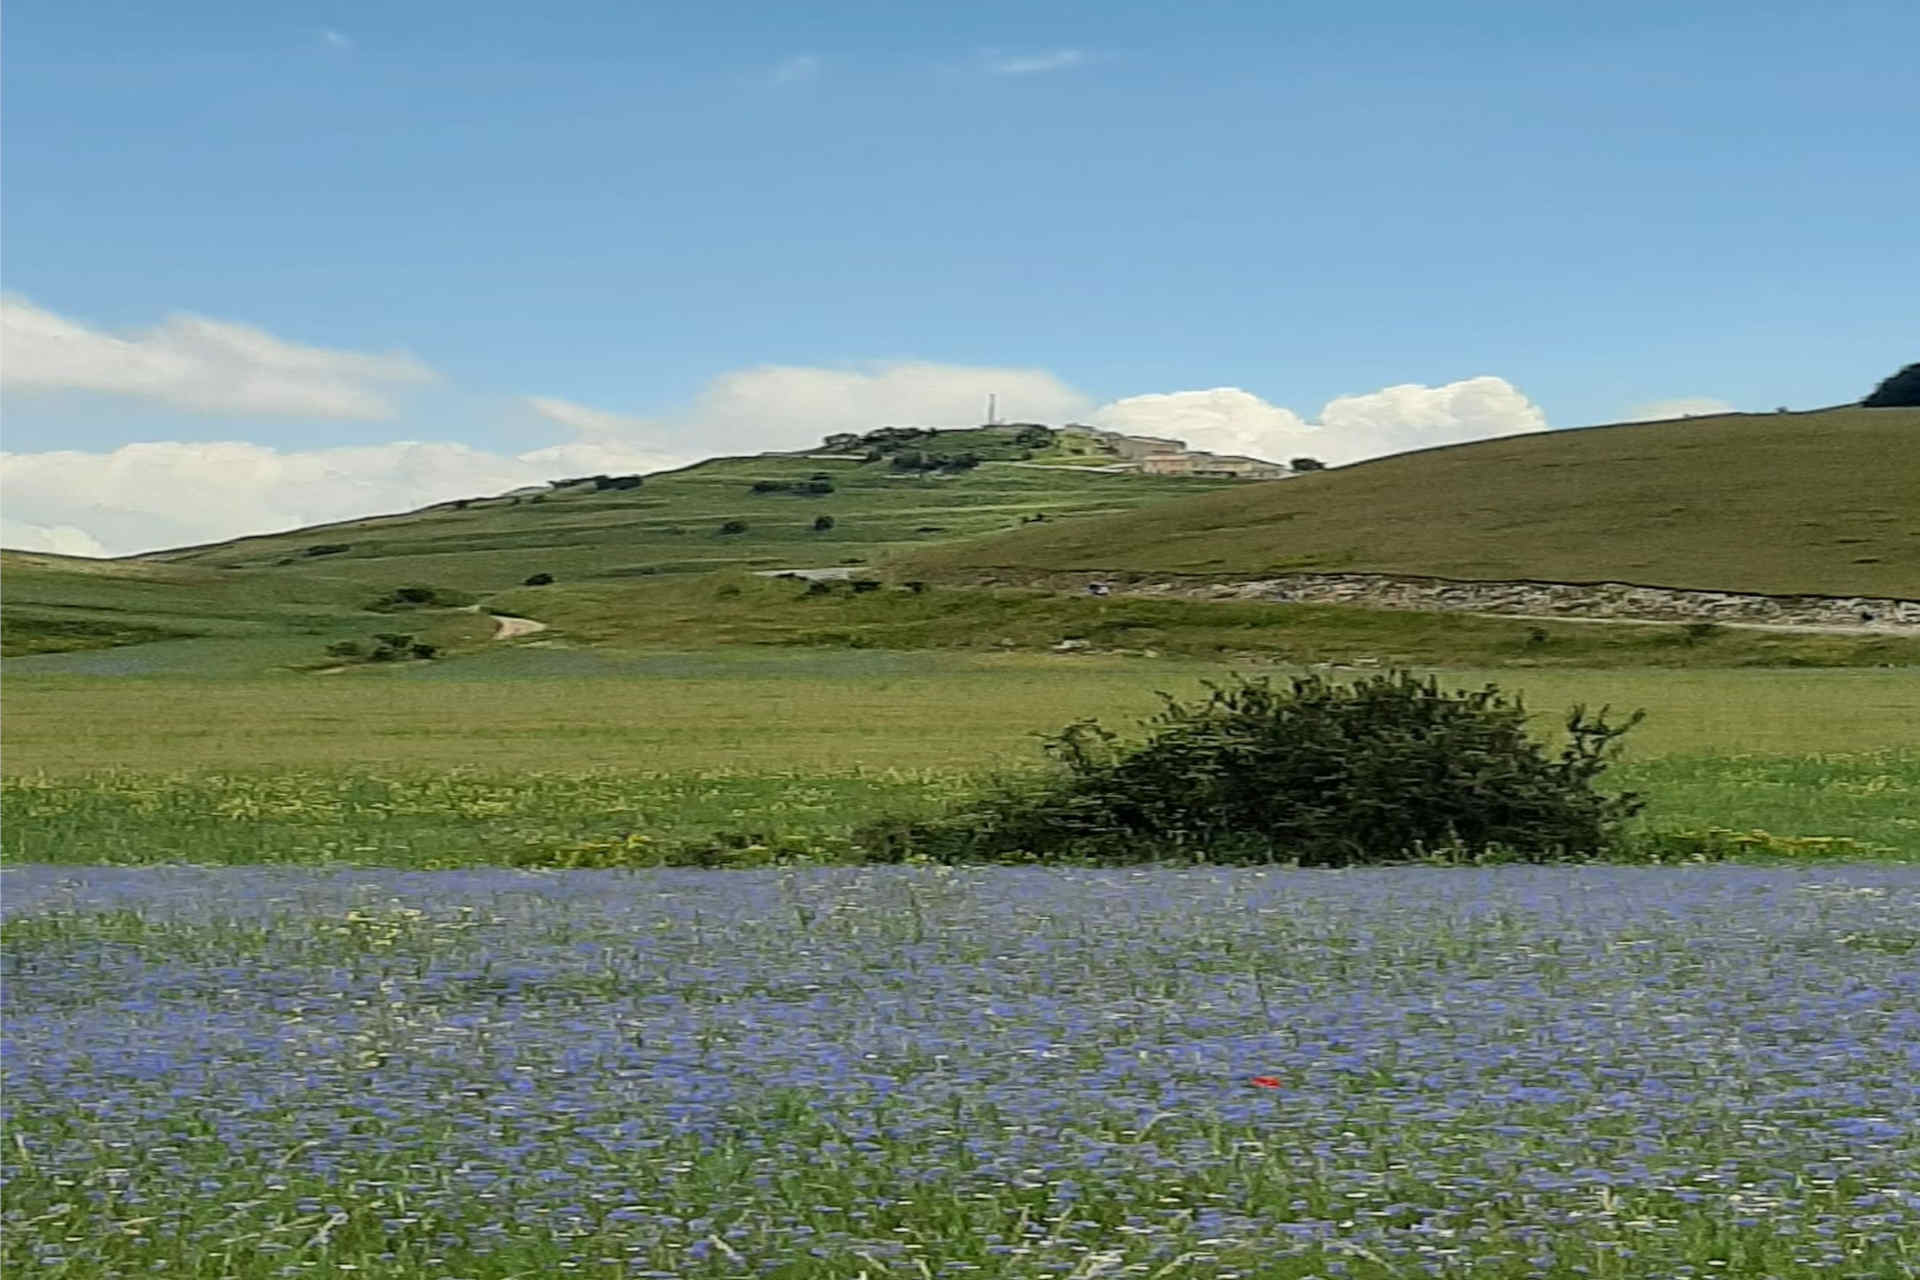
(822, 523)
(420, 597)
(344, 649)
(1896, 390)
(537, 580)
(734, 526)
(1326, 774)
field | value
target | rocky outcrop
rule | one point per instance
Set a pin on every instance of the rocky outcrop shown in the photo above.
(1603, 600)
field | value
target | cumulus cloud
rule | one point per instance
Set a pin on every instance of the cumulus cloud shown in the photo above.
(1349, 428)
(144, 497)
(1033, 64)
(1222, 420)
(60, 539)
(1678, 407)
(789, 406)
(194, 363)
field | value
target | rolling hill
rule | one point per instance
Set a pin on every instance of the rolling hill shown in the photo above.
(725, 513)
(722, 514)
(1825, 502)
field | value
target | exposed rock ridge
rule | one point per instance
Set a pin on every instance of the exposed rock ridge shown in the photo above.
(1608, 600)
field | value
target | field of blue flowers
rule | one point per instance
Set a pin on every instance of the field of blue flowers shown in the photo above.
(928, 1072)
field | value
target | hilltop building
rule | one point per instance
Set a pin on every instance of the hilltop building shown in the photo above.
(1198, 463)
(1159, 456)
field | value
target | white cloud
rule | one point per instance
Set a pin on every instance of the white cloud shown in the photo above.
(799, 69)
(588, 422)
(789, 406)
(1223, 420)
(1678, 407)
(1033, 64)
(191, 362)
(143, 497)
(1411, 416)
(60, 539)
(1229, 420)
(336, 40)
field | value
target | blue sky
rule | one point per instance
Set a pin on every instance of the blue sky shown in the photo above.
(626, 210)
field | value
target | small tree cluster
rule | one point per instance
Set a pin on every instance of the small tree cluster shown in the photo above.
(420, 596)
(1307, 464)
(396, 646)
(918, 460)
(1896, 391)
(816, 487)
(388, 646)
(878, 444)
(600, 483)
(1318, 772)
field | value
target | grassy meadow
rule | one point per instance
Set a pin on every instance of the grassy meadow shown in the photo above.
(584, 756)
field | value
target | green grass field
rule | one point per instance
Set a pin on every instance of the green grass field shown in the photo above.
(554, 753)
(1821, 503)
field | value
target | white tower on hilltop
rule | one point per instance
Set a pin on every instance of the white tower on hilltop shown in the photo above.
(993, 404)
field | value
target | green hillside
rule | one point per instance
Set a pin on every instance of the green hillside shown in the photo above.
(277, 592)
(62, 604)
(1826, 502)
(678, 521)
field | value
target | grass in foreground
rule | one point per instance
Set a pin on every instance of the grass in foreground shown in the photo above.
(811, 712)
(1604, 1073)
(1817, 808)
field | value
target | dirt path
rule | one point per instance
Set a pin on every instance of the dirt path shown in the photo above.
(506, 628)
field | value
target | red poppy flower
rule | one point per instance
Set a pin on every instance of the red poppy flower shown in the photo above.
(1266, 1082)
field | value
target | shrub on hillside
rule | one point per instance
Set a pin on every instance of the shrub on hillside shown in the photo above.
(1326, 774)
(734, 526)
(421, 597)
(537, 580)
(919, 460)
(814, 488)
(1307, 464)
(822, 523)
(1899, 390)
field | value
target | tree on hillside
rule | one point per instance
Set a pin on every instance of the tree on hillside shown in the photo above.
(1307, 464)
(1900, 390)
